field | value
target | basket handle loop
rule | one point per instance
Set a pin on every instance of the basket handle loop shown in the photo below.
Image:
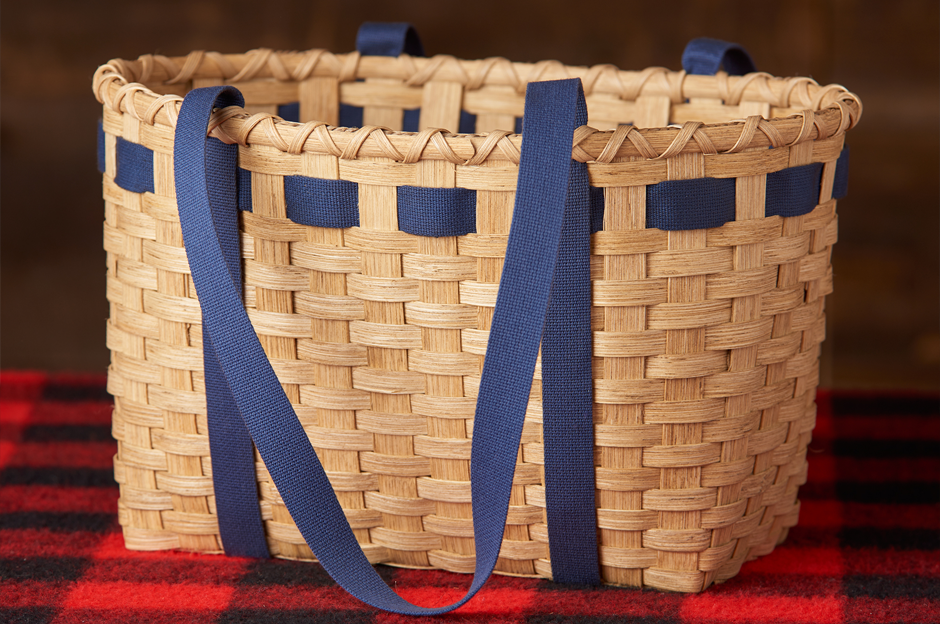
(705, 56)
(551, 205)
(388, 39)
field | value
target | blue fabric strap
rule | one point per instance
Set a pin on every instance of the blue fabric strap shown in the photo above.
(373, 39)
(101, 161)
(437, 211)
(388, 39)
(321, 203)
(554, 112)
(134, 166)
(840, 185)
(410, 119)
(693, 204)
(706, 56)
(232, 456)
(539, 218)
(384, 39)
(350, 116)
(794, 191)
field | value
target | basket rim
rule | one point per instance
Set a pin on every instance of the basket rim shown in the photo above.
(824, 111)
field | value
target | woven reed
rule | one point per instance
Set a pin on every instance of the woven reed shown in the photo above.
(706, 342)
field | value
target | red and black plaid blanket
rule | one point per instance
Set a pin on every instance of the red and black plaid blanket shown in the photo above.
(865, 550)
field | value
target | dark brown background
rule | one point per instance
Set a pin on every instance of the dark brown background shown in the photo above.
(883, 316)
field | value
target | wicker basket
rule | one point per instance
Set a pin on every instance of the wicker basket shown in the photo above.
(706, 342)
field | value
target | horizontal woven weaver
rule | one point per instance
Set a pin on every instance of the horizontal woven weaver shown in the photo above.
(706, 342)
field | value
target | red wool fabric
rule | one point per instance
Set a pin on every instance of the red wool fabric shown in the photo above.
(865, 550)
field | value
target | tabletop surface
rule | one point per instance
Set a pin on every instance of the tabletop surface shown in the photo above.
(865, 550)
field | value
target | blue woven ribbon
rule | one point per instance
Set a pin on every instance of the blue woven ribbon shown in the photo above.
(706, 56)
(545, 276)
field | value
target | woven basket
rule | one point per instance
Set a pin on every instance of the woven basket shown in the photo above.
(705, 341)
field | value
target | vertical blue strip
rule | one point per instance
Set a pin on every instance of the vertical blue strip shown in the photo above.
(350, 116)
(101, 159)
(243, 182)
(230, 447)
(468, 123)
(410, 119)
(567, 400)
(840, 184)
(289, 111)
(596, 195)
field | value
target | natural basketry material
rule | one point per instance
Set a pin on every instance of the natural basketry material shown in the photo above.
(706, 342)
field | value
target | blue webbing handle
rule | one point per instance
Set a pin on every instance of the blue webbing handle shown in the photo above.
(241, 528)
(540, 213)
(705, 56)
(388, 39)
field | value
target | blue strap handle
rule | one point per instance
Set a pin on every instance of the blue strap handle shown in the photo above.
(233, 460)
(567, 379)
(388, 39)
(706, 56)
(233, 464)
(532, 256)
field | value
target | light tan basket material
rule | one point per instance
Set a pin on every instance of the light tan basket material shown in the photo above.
(706, 342)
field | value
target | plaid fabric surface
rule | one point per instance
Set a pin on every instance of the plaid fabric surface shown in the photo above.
(865, 550)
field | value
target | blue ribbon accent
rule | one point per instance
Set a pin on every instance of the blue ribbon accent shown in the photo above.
(537, 255)
(384, 39)
(134, 166)
(410, 119)
(705, 56)
(233, 460)
(794, 191)
(321, 203)
(373, 39)
(437, 211)
(840, 184)
(101, 161)
(567, 384)
(388, 39)
(350, 116)
(693, 204)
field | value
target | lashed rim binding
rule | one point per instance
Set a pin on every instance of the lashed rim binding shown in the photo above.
(819, 112)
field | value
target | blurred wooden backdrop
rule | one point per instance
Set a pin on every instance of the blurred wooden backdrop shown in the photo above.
(883, 316)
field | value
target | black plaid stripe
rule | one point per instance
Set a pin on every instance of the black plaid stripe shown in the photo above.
(65, 522)
(73, 389)
(889, 437)
(292, 616)
(58, 476)
(27, 615)
(603, 619)
(60, 432)
(46, 569)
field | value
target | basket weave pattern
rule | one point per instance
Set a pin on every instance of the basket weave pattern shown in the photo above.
(706, 342)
